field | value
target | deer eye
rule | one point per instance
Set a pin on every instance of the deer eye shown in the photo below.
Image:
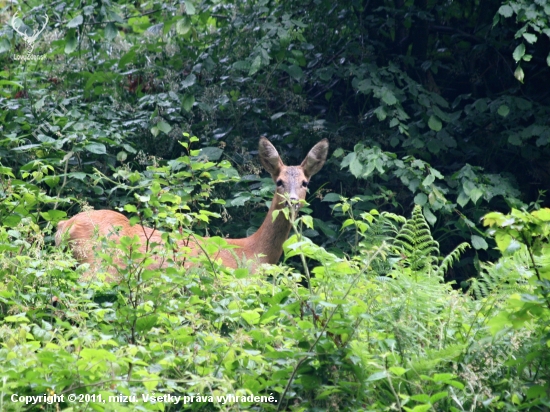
(280, 182)
(305, 183)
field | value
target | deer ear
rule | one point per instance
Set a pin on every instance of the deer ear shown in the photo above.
(315, 159)
(270, 157)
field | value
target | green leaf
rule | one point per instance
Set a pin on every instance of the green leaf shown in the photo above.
(531, 38)
(441, 114)
(535, 392)
(434, 123)
(428, 180)
(331, 197)
(164, 127)
(4, 46)
(77, 175)
(513, 246)
(97, 148)
(189, 8)
(255, 66)
(519, 74)
(188, 102)
(421, 408)
(70, 44)
(506, 11)
(421, 397)
(481, 105)
(388, 97)
(251, 317)
(479, 243)
(213, 153)
(295, 72)
(503, 240)
(110, 31)
(121, 156)
(498, 322)
(11, 220)
(39, 104)
(10, 83)
(308, 221)
(139, 24)
(456, 384)
(420, 199)
(503, 110)
(16, 318)
(515, 139)
(475, 194)
(380, 113)
(127, 58)
(377, 376)
(356, 167)
(430, 217)
(188, 81)
(146, 323)
(241, 65)
(327, 392)
(77, 21)
(51, 181)
(542, 214)
(338, 152)
(519, 52)
(183, 26)
(443, 377)
(438, 396)
(397, 370)
(277, 115)
(53, 215)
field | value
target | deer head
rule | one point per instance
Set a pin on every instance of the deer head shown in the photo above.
(292, 181)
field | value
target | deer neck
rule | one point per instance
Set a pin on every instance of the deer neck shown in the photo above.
(269, 238)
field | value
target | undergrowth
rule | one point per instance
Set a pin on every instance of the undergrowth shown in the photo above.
(379, 330)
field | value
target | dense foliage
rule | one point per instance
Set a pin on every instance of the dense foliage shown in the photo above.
(437, 111)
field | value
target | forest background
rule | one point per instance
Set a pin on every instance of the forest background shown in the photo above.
(418, 278)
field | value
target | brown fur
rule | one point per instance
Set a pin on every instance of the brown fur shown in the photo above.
(264, 246)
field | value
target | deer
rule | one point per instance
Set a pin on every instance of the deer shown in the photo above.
(264, 246)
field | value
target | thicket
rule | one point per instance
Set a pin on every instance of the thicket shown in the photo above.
(436, 113)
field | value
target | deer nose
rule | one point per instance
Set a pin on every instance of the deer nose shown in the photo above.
(294, 201)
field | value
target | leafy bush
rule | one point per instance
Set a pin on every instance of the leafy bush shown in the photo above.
(350, 339)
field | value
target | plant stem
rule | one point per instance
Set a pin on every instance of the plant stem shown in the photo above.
(323, 330)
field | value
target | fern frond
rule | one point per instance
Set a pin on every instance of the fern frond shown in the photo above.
(418, 249)
(392, 216)
(416, 244)
(509, 275)
(382, 229)
(448, 260)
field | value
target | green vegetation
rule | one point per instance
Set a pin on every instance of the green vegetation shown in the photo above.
(418, 278)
